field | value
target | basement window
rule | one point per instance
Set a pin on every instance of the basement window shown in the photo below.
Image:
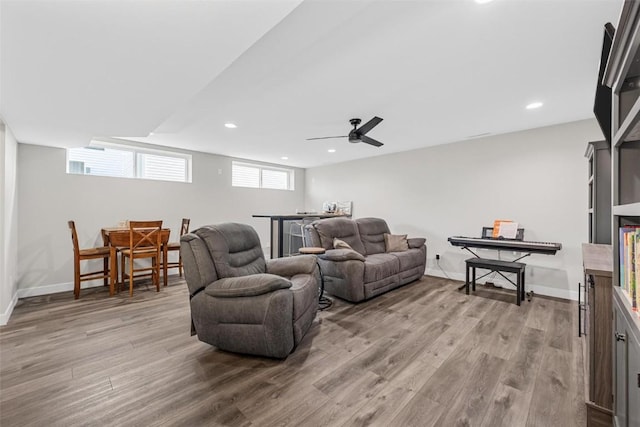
(259, 176)
(126, 161)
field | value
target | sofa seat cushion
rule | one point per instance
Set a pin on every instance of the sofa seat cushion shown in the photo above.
(380, 266)
(409, 259)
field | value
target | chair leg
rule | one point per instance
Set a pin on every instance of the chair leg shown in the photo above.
(180, 265)
(76, 280)
(131, 276)
(155, 273)
(105, 271)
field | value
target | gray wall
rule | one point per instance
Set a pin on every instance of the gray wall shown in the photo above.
(537, 178)
(49, 197)
(8, 223)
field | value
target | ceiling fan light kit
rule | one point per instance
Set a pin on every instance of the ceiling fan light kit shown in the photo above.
(357, 134)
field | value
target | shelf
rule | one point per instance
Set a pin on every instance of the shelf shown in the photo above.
(632, 209)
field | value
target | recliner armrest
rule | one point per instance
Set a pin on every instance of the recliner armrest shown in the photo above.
(290, 266)
(416, 242)
(341, 255)
(247, 286)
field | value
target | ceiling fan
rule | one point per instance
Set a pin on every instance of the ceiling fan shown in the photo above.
(357, 134)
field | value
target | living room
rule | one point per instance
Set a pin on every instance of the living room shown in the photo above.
(535, 174)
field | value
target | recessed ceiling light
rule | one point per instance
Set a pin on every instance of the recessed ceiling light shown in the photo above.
(284, 158)
(230, 125)
(483, 1)
(534, 105)
(331, 150)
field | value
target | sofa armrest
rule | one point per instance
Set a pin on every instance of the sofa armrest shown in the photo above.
(416, 242)
(246, 286)
(341, 255)
(288, 267)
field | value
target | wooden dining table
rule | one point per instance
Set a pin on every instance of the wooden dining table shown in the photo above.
(118, 238)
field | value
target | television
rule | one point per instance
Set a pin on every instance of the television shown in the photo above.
(602, 103)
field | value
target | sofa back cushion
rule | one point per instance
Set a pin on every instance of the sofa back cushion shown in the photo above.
(372, 231)
(344, 229)
(235, 249)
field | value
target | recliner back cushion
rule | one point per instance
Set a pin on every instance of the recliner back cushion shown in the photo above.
(199, 270)
(372, 232)
(235, 249)
(342, 228)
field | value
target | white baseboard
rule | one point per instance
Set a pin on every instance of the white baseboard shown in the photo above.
(567, 294)
(4, 317)
(53, 289)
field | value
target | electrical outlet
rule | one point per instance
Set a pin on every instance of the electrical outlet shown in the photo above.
(437, 257)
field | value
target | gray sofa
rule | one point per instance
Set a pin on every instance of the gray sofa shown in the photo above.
(239, 301)
(367, 269)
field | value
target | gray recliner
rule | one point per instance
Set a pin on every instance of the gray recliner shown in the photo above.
(241, 302)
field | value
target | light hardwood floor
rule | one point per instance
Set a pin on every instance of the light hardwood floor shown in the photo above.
(422, 355)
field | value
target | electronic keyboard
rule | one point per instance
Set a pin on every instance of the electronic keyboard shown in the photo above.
(546, 248)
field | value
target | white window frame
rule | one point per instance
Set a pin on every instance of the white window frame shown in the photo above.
(137, 161)
(290, 175)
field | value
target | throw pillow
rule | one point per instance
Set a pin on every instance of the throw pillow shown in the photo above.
(396, 242)
(340, 244)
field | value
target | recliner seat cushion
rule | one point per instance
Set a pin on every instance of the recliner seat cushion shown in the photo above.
(247, 286)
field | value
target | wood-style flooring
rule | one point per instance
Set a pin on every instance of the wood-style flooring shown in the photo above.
(422, 355)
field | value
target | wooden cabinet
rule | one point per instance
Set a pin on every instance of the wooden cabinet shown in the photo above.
(598, 155)
(597, 263)
(622, 75)
(626, 357)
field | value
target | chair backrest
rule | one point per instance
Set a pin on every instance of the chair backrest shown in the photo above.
(74, 237)
(145, 234)
(184, 227)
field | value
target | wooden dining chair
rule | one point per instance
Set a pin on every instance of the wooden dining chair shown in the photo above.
(144, 243)
(175, 246)
(87, 254)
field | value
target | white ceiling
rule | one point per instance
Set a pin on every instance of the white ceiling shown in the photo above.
(287, 70)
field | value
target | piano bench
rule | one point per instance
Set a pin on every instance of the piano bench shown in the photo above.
(500, 266)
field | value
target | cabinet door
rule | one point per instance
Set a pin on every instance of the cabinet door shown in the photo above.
(620, 370)
(633, 378)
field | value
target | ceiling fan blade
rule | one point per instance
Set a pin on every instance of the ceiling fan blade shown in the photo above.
(327, 137)
(370, 141)
(368, 126)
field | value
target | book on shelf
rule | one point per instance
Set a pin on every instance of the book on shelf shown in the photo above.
(629, 258)
(635, 301)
